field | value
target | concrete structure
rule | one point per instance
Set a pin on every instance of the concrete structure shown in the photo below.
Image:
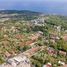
(39, 21)
(18, 61)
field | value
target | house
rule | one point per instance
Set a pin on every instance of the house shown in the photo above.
(62, 53)
(51, 51)
(30, 43)
(7, 54)
(59, 28)
(36, 35)
(40, 32)
(54, 37)
(14, 29)
(60, 62)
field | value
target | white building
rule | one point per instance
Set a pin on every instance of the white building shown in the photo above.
(18, 61)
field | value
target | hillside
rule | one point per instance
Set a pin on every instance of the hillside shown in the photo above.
(22, 31)
(19, 14)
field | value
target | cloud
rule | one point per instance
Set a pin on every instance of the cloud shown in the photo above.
(35, 5)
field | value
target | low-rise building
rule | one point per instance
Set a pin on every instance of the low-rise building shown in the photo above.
(62, 53)
(51, 51)
(18, 61)
(62, 63)
(39, 21)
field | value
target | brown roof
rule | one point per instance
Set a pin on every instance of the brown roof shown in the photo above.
(19, 36)
(34, 36)
(7, 54)
(29, 42)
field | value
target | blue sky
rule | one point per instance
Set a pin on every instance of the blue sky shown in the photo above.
(52, 6)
